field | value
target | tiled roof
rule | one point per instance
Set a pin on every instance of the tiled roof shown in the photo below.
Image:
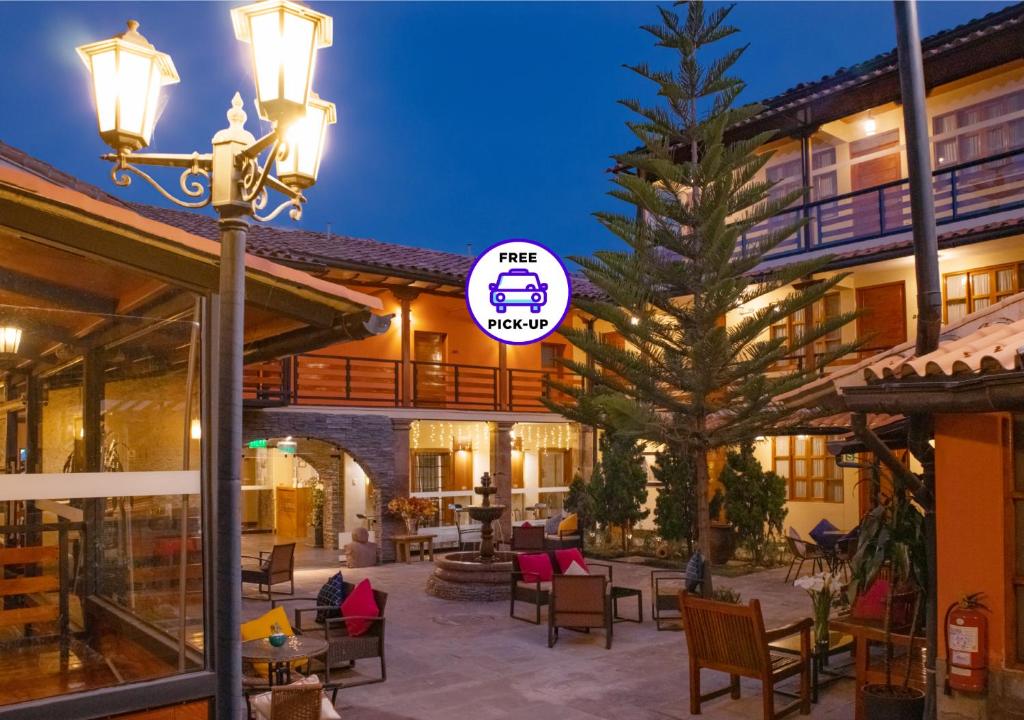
(10, 155)
(844, 78)
(342, 251)
(989, 341)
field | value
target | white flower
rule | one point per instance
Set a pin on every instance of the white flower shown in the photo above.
(815, 583)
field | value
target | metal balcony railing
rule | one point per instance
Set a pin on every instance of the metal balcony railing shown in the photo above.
(962, 192)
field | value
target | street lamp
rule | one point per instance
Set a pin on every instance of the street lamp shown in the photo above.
(10, 339)
(235, 178)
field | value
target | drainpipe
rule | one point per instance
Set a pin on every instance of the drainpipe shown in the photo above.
(929, 299)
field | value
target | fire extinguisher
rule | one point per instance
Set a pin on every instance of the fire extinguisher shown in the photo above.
(967, 644)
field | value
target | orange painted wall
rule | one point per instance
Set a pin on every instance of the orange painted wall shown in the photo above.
(971, 464)
(466, 343)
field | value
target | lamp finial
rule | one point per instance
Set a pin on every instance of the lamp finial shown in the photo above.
(236, 115)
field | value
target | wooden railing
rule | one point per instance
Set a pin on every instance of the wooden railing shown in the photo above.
(969, 190)
(337, 380)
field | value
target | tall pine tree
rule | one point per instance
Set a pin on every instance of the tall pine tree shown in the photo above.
(686, 379)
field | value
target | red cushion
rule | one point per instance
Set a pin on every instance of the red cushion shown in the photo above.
(566, 557)
(358, 605)
(870, 605)
(526, 524)
(536, 567)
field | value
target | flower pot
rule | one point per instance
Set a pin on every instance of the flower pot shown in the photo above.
(885, 702)
(723, 543)
(318, 535)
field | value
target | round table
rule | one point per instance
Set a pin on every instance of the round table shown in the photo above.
(279, 659)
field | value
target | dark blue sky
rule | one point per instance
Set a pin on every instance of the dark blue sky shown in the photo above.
(458, 123)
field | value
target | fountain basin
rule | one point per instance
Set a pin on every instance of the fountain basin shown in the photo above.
(462, 576)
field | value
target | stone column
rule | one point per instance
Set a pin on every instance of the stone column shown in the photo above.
(389, 525)
(326, 460)
(501, 471)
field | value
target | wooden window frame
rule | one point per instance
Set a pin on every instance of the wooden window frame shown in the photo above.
(828, 483)
(818, 315)
(994, 296)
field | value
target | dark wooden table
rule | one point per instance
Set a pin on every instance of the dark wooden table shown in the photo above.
(838, 643)
(617, 593)
(279, 659)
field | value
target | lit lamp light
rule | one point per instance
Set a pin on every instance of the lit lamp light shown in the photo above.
(284, 37)
(305, 140)
(127, 74)
(10, 339)
(196, 429)
(870, 126)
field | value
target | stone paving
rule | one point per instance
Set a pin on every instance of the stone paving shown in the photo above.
(469, 659)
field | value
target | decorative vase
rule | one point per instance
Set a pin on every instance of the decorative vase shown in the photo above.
(412, 525)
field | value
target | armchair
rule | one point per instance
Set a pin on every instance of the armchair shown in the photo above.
(580, 602)
(275, 566)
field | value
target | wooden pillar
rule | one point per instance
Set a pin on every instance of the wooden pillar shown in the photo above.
(405, 296)
(588, 451)
(11, 439)
(389, 525)
(504, 385)
(501, 470)
(33, 423)
(92, 430)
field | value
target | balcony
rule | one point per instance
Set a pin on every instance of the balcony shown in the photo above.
(344, 381)
(962, 192)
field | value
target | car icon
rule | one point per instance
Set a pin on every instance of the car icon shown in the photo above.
(518, 286)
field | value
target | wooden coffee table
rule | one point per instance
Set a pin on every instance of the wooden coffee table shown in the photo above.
(404, 543)
(838, 642)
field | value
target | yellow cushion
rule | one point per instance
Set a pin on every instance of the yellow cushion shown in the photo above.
(569, 524)
(262, 627)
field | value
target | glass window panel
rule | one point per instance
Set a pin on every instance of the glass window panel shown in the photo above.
(800, 445)
(781, 445)
(944, 123)
(800, 488)
(825, 186)
(836, 492)
(956, 311)
(817, 445)
(818, 467)
(956, 286)
(970, 147)
(552, 467)
(1004, 279)
(981, 283)
(800, 468)
(782, 468)
(823, 158)
(945, 152)
(819, 489)
(980, 304)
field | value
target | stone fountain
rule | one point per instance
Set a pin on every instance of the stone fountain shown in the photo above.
(475, 575)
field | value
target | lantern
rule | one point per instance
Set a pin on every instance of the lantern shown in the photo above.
(284, 37)
(305, 139)
(10, 339)
(127, 74)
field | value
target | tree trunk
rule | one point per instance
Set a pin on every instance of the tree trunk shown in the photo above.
(701, 484)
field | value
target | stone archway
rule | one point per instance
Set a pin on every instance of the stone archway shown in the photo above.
(368, 439)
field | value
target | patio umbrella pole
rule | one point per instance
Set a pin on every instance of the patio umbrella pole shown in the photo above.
(929, 297)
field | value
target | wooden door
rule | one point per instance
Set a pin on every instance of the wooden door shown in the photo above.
(866, 213)
(429, 354)
(883, 320)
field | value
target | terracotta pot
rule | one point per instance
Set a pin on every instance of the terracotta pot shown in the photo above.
(723, 543)
(882, 702)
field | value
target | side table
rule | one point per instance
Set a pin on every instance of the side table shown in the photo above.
(617, 594)
(838, 643)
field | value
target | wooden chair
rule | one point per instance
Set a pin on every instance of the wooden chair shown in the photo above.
(580, 602)
(803, 551)
(528, 539)
(538, 593)
(343, 649)
(732, 639)
(275, 566)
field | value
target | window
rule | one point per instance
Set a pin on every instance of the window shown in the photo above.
(432, 470)
(1017, 539)
(983, 129)
(550, 353)
(811, 472)
(554, 467)
(786, 176)
(973, 290)
(824, 177)
(792, 329)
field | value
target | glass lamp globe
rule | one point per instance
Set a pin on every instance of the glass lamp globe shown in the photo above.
(284, 37)
(10, 339)
(305, 140)
(127, 74)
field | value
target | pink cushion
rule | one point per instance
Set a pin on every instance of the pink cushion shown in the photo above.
(870, 605)
(358, 605)
(567, 557)
(526, 524)
(536, 567)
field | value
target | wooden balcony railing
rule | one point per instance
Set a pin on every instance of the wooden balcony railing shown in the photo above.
(337, 380)
(962, 192)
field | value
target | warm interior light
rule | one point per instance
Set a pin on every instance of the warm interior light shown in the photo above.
(196, 429)
(10, 339)
(870, 126)
(306, 139)
(284, 37)
(127, 74)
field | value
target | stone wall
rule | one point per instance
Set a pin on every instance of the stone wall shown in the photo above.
(369, 439)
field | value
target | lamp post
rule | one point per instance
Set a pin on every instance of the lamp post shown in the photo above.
(127, 74)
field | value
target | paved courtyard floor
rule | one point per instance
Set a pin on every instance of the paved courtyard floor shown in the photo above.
(469, 659)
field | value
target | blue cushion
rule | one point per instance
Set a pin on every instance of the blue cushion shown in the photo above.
(694, 572)
(551, 524)
(332, 594)
(820, 534)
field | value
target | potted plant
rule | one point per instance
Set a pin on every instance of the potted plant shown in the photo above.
(316, 512)
(413, 511)
(822, 590)
(892, 536)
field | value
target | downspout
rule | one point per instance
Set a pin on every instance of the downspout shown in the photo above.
(929, 298)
